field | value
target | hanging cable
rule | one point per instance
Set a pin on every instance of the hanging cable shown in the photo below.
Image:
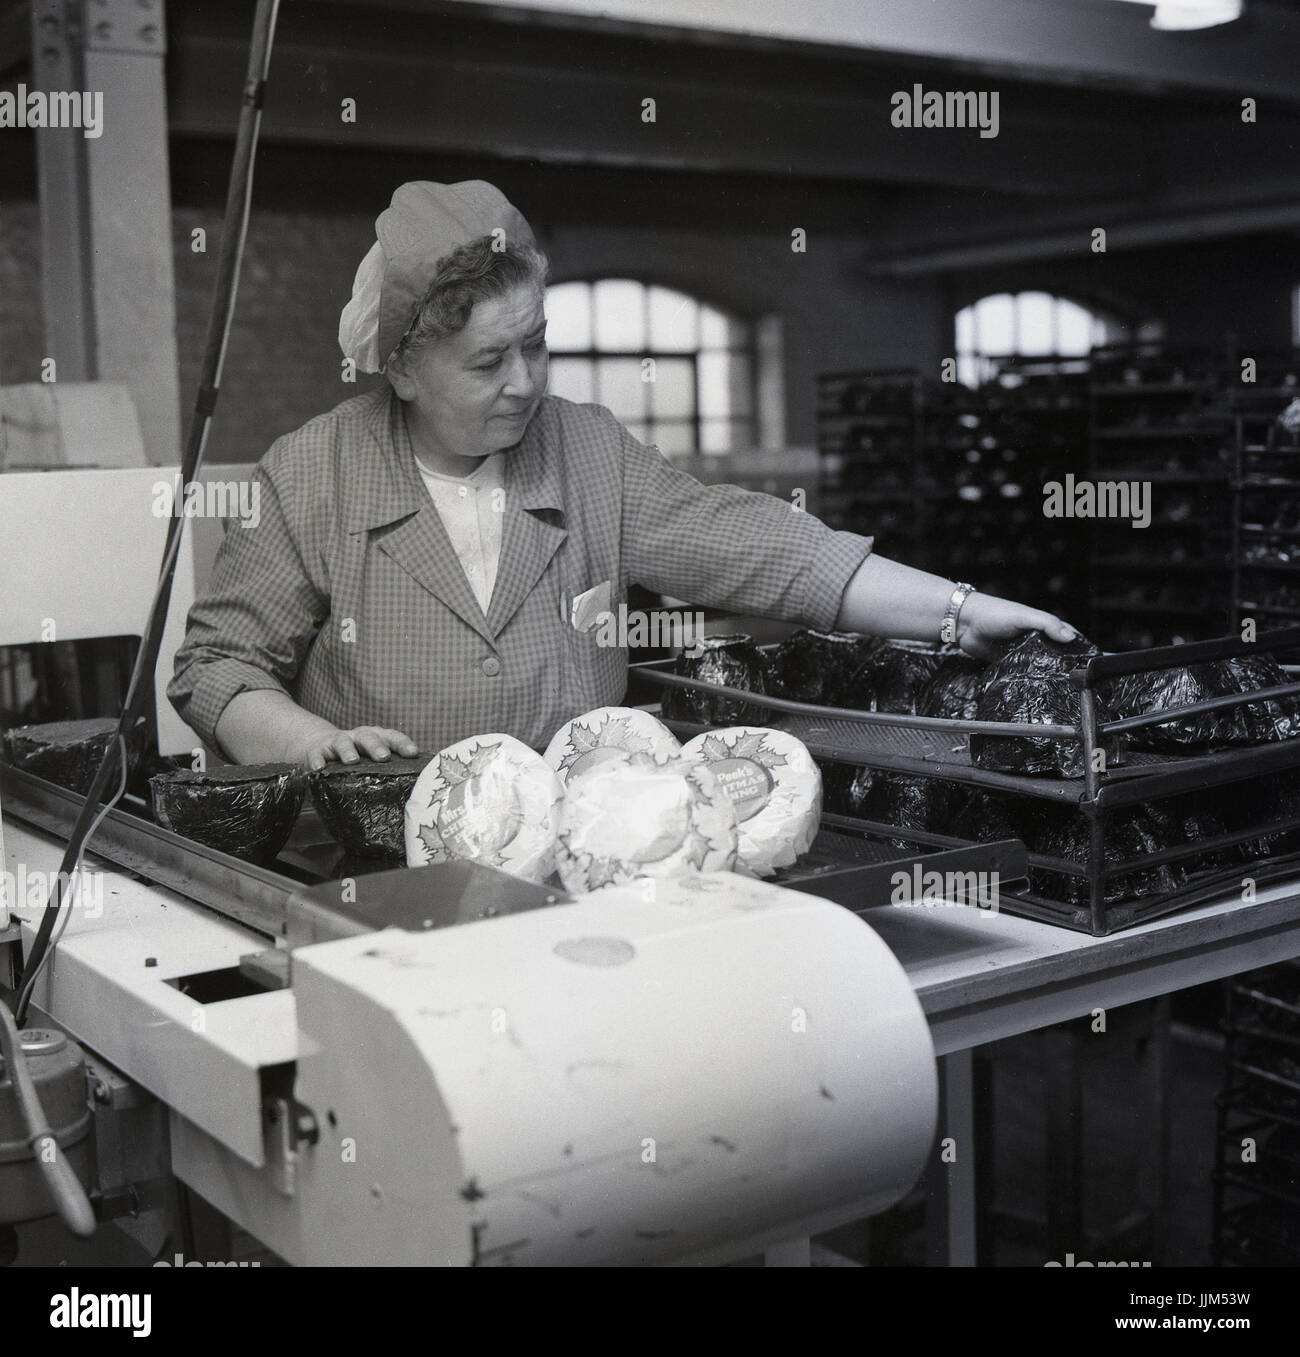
(234, 232)
(74, 884)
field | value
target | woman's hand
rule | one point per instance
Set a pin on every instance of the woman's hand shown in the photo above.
(351, 746)
(887, 598)
(267, 726)
(986, 621)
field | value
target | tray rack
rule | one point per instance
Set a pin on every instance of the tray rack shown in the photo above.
(938, 748)
(1257, 1190)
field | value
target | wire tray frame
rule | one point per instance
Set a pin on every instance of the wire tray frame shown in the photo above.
(939, 748)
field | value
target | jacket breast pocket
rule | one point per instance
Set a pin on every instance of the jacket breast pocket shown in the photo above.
(598, 658)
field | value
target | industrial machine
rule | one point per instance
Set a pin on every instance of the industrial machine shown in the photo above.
(440, 1065)
(448, 1066)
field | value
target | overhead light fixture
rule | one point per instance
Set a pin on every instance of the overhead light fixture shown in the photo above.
(1173, 16)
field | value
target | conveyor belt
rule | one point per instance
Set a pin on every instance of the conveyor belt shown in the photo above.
(254, 896)
(297, 901)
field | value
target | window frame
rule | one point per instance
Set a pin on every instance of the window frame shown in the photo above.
(748, 424)
(1108, 327)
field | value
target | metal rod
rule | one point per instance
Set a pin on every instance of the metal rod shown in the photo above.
(1167, 714)
(1097, 859)
(1088, 727)
(1153, 781)
(1192, 652)
(870, 718)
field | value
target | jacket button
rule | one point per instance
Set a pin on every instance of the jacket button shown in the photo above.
(492, 666)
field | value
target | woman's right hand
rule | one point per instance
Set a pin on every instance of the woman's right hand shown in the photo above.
(264, 725)
(351, 746)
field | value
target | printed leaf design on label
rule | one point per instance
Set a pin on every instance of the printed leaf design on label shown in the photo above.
(595, 871)
(453, 770)
(481, 759)
(583, 738)
(751, 747)
(582, 741)
(612, 733)
(432, 840)
(605, 870)
(715, 747)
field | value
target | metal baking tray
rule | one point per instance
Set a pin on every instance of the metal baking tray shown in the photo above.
(932, 746)
(939, 748)
(852, 862)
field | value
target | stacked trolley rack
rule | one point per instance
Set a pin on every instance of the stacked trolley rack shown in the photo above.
(1266, 519)
(1257, 1169)
(1255, 791)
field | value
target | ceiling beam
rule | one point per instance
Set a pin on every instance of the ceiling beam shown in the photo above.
(495, 96)
(1091, 42)
(912, 247)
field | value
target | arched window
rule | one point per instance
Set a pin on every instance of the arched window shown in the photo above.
(1027, 325)
(677, 372)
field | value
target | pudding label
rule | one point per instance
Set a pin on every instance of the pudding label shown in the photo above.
(748, 785)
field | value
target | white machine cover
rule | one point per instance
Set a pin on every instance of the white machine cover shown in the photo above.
(677, 1070)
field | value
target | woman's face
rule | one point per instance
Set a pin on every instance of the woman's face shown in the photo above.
(474, 392)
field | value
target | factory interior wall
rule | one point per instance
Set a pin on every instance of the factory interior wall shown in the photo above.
(284, 366)
(835, 315)
(1204, 293)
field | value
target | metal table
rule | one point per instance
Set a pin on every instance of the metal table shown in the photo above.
(982, 977)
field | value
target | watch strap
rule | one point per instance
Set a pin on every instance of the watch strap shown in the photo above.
(948, 627)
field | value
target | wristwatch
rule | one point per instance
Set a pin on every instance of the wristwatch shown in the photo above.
(948, 627)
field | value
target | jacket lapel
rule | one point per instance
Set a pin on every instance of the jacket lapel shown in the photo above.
(389, 499)
(420, 546)
(534, 523)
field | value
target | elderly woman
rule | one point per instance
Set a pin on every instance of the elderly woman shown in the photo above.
(411, 578)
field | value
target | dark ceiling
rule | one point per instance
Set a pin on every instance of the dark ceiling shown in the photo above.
(743, 125)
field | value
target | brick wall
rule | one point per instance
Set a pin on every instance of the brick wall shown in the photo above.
(283, 361)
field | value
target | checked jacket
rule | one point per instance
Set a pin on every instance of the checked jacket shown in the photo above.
(348, 596)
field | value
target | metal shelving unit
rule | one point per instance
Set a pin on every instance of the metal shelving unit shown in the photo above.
(869, 440)
(1161, 418)
(950, 479)
(1266, 495)
(1257, 1143)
